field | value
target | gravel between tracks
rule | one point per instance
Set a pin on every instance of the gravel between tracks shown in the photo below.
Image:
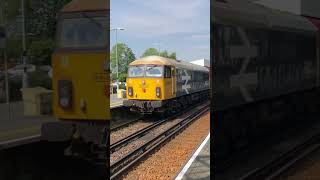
(139, 142)
(167, 161)
(124, 132)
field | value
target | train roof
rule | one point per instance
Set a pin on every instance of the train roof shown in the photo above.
(243, 12)
(86, 5)
(157, 60)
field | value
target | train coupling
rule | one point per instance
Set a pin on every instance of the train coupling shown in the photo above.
(143, 106)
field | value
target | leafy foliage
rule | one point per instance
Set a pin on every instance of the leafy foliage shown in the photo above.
(155, 52)
(39, 52)
(41, 20)
(125, 57)
(123, 77)
(150, 52)
(42, 17)
(173, 55)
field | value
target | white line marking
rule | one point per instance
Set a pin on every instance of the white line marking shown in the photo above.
(187, 166)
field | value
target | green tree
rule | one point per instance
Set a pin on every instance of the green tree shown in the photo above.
(39, 52)
(150, 52)
(173, 55)
(164, 54)
(43, 16)
(40, 23)
(123, 77)
(125, 57)
(155, 52)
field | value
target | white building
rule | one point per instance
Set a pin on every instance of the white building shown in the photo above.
(202, 62)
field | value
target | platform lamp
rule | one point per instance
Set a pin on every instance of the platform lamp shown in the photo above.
(117, 63)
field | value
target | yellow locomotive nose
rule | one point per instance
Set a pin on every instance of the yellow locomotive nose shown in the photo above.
(143, 86)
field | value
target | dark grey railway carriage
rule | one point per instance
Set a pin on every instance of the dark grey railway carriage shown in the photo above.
(265, 68)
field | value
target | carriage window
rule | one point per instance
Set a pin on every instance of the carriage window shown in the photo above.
(154, 71)
(136, 71)
(167, 72)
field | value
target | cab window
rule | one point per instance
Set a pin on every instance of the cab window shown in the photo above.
(136, 71)
(154, 71)
(167, 72)
(88, 32)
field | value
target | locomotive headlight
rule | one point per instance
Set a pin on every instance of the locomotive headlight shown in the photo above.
(158, 90)
(130, 91)
(65, 93)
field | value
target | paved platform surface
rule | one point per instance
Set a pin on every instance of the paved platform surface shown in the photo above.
(17, 128)
(115, 101)
(198, 167)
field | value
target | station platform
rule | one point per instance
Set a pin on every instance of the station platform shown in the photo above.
(198, 166)
(17, 129)
(115, 101)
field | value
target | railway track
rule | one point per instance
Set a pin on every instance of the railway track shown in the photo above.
(118, 135)
(124, 125)
(138, 133)
(275, 167)
(150, 140)
(122, 142)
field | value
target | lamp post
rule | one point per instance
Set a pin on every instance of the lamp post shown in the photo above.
(24, 49)
(117, 63)
(3, 46)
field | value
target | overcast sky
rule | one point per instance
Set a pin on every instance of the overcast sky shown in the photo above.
(181, 26)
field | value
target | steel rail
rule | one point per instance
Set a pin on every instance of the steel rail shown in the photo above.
(124, 125)
(126, 162)
(277, 166)
(122, 142)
